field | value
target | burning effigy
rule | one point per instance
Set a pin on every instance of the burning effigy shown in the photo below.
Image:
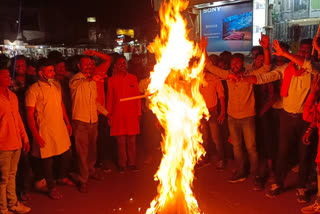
(179, 107)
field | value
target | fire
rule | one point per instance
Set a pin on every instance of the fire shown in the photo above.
(179, 107)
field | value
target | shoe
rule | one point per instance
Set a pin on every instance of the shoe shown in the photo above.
(258, 184)
(121, 169)
(5, 212)
(65, 181)
(54, 194)
(41, 185)
(133, 168)
(106, 169)
(302, 196)
(220, 165)
(237, 177)
(274, 190)
(313, 208)
(20, 208)
(83, 188)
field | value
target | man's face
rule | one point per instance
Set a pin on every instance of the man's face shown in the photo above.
(5, 79)
(222, 65)
(236, 65)
(47, 72)
(60, 69)
(31, 71)
(21, 67)
(258, 61)
(305, 51)
(121, 65)
(85, 66)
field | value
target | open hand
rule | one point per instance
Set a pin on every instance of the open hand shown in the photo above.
(69, 128)
(40, 141)
(264, 41)
(277, 48)
(203, 43)
(26, 147)
(306, 137)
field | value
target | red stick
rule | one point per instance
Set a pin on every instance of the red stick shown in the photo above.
(316, 37)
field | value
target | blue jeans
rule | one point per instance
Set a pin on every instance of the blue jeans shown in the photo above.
(245, 128)
(8, 169)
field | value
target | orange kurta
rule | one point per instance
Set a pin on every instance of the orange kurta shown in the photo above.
(124, 115)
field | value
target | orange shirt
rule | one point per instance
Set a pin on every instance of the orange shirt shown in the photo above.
(12, 130)
(124, 115)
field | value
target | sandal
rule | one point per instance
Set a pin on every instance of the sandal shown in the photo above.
(54, 194)
(65, 181)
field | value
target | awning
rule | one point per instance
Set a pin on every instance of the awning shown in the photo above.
(202, 3)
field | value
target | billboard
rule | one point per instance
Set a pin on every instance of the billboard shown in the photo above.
(228, 27)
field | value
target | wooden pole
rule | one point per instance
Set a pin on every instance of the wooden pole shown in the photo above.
(135, 97)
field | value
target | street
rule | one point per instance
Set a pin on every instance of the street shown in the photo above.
(132, 192)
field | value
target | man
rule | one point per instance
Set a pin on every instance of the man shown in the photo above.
(19, 86)
(296, 77)
(50, 126)
(124, 117)
(20, 71)
(63, 76)
(100, 74)
(212, 90)
(241, 112)
(85, 110)
(12, 135)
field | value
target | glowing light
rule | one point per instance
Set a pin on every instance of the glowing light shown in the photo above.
(179, 107)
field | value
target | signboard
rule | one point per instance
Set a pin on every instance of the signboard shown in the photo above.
(228, 27)
(314, 8)
(127, 32)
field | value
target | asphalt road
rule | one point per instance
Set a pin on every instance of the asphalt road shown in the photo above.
(132, 192)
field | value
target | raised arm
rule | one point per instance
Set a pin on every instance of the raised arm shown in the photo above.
(209, 66)
(264, 42)
(107, 60)
(281, 52)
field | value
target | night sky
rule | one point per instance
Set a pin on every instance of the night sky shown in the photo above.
(124, 13)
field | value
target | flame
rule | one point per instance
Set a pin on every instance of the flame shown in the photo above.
(179, 107)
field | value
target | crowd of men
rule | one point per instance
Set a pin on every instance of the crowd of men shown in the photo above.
(55, 114)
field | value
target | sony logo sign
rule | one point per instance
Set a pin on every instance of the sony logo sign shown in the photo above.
(212, 9)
